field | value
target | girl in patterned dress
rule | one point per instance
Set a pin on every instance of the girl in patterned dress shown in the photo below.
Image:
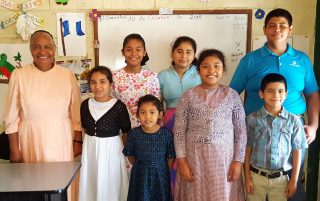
(150, 149)
(103, 174)
(132, 81)
(210, 137)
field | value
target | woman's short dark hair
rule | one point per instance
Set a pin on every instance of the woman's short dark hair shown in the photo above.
(40, 31)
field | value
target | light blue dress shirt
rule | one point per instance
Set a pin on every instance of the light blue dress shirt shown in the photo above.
(272, 139)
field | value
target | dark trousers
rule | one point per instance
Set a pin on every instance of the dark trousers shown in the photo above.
(300, 194)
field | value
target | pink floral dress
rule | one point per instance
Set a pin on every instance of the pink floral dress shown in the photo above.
(129, 87)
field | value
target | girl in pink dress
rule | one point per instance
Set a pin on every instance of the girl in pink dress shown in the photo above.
(132, 81)
(210, 137)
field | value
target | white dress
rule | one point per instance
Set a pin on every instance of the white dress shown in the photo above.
(103, 175)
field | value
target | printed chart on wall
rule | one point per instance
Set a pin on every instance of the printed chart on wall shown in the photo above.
(11, 57)
(226, 30)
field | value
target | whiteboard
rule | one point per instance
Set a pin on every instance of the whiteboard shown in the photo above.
(227, 30)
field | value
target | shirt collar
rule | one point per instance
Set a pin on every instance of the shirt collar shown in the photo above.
(192, 67)
(263, 113)
(265, 51)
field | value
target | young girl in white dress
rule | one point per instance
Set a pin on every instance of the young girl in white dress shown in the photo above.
(103, 174)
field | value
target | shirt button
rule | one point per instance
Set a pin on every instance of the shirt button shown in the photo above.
(95, 133)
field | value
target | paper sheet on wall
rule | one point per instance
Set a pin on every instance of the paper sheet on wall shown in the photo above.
(16, 54)
(302, 43)
(299, 42)
(258, 41)
(73, 32)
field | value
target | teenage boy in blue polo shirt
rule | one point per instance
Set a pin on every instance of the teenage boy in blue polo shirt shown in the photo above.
(276, 56)
(275, 138)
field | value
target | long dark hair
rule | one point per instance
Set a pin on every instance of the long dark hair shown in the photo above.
(138, 37)
(185, 39)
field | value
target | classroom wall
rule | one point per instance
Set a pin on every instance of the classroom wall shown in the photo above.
(303, 12)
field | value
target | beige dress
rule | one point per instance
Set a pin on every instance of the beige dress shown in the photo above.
(44, 107)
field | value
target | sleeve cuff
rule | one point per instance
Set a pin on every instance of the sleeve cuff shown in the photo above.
(12, 129)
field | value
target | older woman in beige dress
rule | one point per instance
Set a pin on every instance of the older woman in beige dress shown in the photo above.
(43, 108)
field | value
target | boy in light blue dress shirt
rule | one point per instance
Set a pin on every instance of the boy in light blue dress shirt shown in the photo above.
(275, 140)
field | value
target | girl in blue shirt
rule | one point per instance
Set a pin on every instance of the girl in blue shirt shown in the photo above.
(175, 80)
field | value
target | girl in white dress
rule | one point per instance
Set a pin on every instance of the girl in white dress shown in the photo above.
(103, 175)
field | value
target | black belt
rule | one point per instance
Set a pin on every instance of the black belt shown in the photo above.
(269, 175)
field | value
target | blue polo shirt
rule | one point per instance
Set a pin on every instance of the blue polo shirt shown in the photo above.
(294, 65)
(172, 87)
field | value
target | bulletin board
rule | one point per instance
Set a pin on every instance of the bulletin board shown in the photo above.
(225, 30)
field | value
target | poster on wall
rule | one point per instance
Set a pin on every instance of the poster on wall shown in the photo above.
(13, 56)
(71, 34)
(81, 69)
